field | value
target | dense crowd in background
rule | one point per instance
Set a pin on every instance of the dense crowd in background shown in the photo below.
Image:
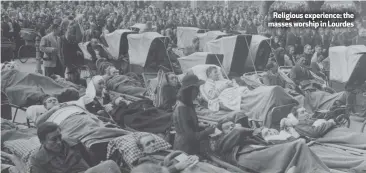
(105, 17)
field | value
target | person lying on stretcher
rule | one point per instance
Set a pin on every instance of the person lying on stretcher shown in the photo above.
(238, 145)
(219, 92)
(304, 125)
(122, 83)
(175, 161)
(96, 101)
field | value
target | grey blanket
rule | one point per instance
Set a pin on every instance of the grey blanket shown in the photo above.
(89, 130)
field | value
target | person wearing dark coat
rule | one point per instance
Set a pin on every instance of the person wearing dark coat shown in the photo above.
(185, 120)
(292, 39)
(71, 52)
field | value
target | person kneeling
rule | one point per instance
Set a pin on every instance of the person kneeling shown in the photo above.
(58, 154)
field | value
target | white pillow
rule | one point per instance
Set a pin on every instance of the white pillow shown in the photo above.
(34, 111)
(200, 71)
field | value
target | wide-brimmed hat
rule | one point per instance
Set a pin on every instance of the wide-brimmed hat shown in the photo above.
(190, 80)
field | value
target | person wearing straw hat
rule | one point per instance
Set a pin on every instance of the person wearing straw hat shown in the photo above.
(185, 120)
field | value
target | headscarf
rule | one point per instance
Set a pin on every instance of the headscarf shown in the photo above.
(33, 112)
(90, 92)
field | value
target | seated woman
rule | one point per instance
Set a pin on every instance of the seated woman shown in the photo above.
(175, 161)
(166, 91)
(236, 146)
(122, 83)
(185, 120)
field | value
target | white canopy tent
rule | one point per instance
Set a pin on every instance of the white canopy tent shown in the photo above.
(343, 60)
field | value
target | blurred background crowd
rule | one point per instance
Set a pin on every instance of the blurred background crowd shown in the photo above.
(244, 17)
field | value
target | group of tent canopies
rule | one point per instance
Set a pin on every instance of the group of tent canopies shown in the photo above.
(239, 53)
(236, 54)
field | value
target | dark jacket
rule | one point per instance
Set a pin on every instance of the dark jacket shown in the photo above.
(188, 134)
(169, 97)
(70, 53)
(78, 159)
(300, 73)
(102, 52)
(95, 106)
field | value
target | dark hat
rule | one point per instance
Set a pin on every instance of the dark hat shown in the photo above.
(190, 80)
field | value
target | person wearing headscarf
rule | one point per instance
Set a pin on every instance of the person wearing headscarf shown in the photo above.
(185, 120)
(97, 100)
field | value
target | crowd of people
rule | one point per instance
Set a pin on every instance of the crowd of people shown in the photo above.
(97, 118)
(96, 18)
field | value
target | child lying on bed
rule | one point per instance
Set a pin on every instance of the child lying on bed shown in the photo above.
(238, 147)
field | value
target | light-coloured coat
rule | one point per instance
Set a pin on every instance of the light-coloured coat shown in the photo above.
(48, 43)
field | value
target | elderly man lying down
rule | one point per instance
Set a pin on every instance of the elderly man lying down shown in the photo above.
(76, 122)
(224, 94)
(332, 143)
(142, 148)
(237, 146)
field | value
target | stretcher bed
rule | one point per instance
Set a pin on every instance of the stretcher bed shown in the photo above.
(269, 115)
